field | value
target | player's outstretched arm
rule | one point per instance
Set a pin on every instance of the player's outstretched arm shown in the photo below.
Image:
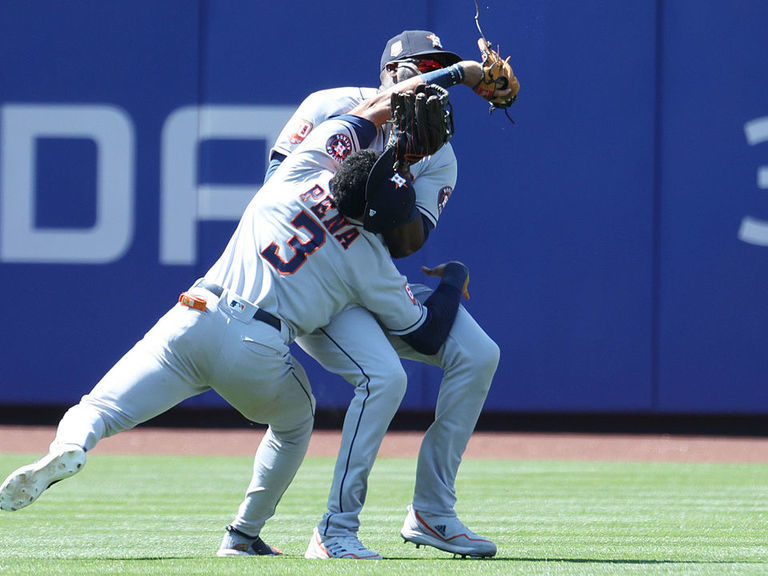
(442, 306)
(467, 72)
(475, 75)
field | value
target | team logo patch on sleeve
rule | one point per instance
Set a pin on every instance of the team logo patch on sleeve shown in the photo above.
(305, 127)
(338, 146)
(410, 294)
(442, 198)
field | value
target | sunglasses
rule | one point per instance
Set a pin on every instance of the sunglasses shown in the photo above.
(424, 64)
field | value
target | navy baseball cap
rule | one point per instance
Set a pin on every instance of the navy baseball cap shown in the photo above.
(390, 200)
(414, 43)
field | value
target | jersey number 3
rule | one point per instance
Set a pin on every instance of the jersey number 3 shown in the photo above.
(301, 249)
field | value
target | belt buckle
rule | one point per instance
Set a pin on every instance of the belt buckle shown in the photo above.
(192, 301)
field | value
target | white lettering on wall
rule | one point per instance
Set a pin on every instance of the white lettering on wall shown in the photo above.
(111, 130)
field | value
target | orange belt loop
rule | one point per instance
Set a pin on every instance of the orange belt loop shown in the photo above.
(191, 301)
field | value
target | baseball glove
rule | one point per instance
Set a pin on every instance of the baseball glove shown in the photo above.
(497, 75)
(422, 121)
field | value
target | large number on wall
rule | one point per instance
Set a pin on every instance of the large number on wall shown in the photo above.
(754, 230)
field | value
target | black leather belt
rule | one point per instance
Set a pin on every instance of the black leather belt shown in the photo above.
(260, 315)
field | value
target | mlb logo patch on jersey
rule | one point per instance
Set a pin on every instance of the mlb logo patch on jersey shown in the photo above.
(338, 146)
(398, 180)
(236, 306)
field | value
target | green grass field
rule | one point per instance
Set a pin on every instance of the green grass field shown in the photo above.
(137, 515)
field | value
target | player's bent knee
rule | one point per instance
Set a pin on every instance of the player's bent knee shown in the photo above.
(481, 353)
(389, 373)
(297, 434)
(490, 356)
(383, 367)
(490, 360)
(392, 384)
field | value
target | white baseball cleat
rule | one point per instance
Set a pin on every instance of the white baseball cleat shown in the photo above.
(26, 484)
(338, 547)
(446, 533)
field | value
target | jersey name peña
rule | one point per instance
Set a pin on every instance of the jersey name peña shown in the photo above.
(322, 205)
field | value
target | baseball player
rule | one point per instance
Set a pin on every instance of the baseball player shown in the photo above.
(299, 256)
(354, 345)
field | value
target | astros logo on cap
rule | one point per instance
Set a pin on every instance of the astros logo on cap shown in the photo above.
(435, 41)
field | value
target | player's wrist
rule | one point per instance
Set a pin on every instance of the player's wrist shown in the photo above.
(455, 274)
(445, 77)
(473, 72)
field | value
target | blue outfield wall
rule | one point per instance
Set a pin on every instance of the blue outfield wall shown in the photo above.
(617, 234)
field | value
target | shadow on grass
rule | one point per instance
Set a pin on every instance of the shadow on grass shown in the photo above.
(633, 561)
(618, 561)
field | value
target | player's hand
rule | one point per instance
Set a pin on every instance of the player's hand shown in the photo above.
(474, 74)
(438, 271)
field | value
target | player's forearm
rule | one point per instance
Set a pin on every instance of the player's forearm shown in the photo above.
(442, 306)
(466, 72)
